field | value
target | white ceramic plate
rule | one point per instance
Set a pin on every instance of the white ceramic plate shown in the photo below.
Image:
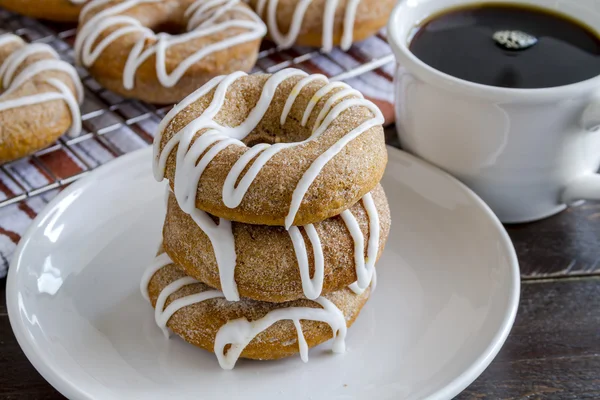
(446, 299)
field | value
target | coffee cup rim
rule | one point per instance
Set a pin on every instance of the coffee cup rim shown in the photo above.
(427, 73)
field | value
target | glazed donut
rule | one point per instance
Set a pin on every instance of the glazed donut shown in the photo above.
(53, 10)
(247, 328)
(40, 97)
(323, 23)
(116, 42)
(282, 149)
(268, 263)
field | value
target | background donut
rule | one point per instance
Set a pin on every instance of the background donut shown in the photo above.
(40, 97)
(322, 23)
(127, 47)
(52, 10)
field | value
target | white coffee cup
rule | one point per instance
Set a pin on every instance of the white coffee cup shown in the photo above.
(527, 152)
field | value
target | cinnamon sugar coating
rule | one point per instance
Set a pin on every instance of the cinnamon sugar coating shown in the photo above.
(348, 176)
(267, 267)
(199, 323)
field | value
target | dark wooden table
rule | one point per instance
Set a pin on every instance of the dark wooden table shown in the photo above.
(553, 351)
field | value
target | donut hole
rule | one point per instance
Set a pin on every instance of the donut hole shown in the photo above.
(243, 99)
(167, 19)
(171, 27)
(258, 140)
(291, 132)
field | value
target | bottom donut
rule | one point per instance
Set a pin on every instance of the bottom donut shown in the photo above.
(246, 328)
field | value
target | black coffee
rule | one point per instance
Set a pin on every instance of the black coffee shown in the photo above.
(508, 46)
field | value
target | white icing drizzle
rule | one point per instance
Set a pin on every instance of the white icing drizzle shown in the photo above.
(223, 243)
(311, 287)
(162, 315)
(12, 82)
(160, 261)
(7, 37)
(78, 1)
(240, 332)
(364, 267)
(315, 168)
(201, 23)
(192, 158)
(287, 40)
(354, 287)
(295, 92)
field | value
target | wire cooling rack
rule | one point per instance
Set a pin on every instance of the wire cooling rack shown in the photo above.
(114, 126)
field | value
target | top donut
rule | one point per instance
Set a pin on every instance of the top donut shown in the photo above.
(283, 149)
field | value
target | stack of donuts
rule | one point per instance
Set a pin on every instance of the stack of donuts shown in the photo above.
(275, 215)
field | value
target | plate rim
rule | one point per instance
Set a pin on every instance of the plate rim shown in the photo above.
(71, 390)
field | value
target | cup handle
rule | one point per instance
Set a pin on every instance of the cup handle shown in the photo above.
(590, 121)
(586, 187)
